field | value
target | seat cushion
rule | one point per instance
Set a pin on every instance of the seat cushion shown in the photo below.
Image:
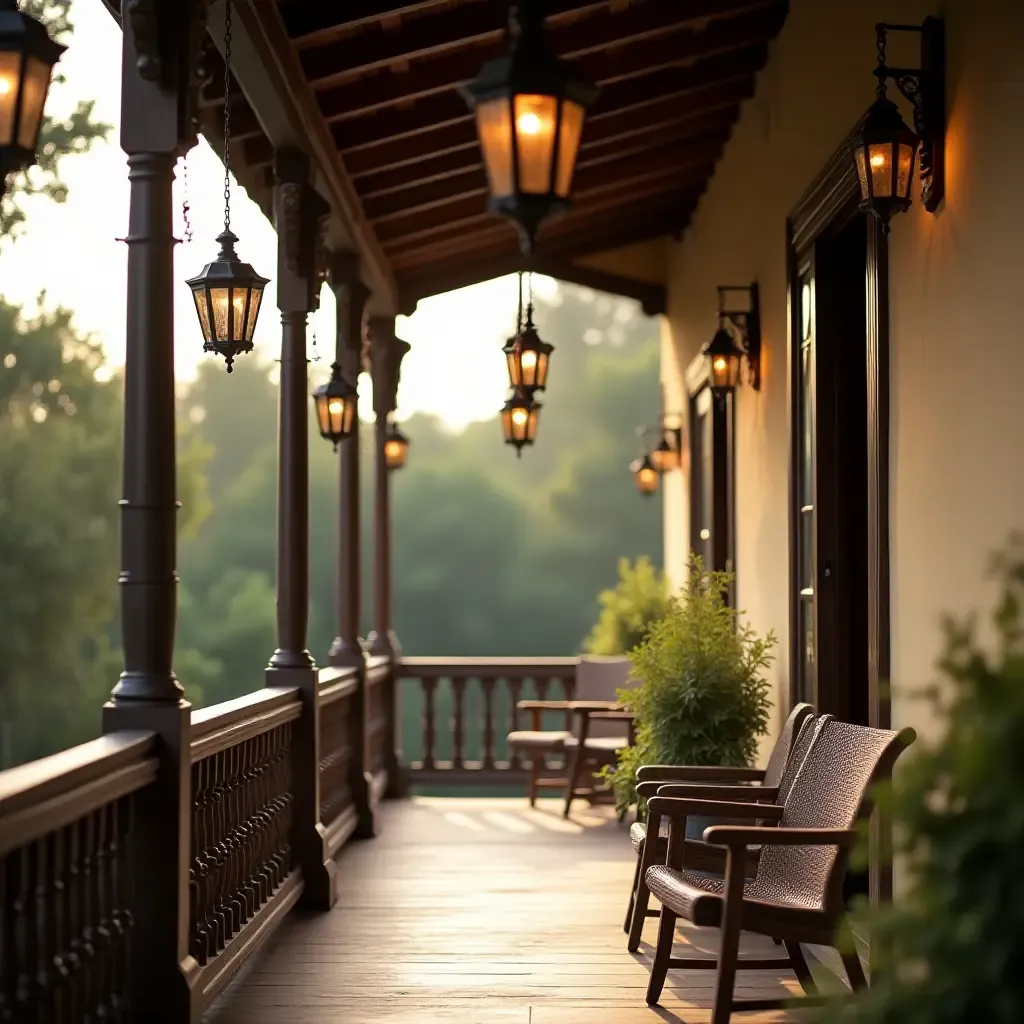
(550, 741)
(601, 744)
(699, 898)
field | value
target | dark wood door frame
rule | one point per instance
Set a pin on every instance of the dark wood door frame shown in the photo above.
(829, 203)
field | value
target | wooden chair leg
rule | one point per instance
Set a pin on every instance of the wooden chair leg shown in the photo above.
(854, 971)
(535, 762)
(662, 955)
(632, 893)
(729, 949)
(641, 901)
(800, 968)
(579, 762)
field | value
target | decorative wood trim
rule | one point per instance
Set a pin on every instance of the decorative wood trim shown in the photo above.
(341, 830)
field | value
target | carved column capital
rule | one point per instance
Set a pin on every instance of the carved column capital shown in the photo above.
(301, 216)
(386, 353)
(351, 296)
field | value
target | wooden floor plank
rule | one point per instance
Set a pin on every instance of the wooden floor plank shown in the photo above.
(482, 912)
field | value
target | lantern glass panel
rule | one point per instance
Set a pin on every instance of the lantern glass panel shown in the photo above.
(204, 313)
(254, 310)
(10, 71)
(880, 161)
(725, 371)
(494, 127)
(220, 301)
(323, 418)
(568, 146)
(536, 120)
(33, 98)
(862, 173)
(905, 170)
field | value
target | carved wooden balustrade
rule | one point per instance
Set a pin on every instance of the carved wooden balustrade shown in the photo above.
(459, 710)
(65, 890)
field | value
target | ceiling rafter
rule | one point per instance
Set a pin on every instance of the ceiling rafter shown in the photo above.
(608, 58)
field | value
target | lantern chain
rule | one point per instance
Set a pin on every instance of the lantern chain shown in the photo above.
(186, 209)
(227, 115)
(519, 312)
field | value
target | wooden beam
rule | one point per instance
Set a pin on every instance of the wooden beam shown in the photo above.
(471, 268)
(655, 155)
(636, 133)
(487, 228)
(317, 24)
(461, 27)
(457, 144)
(451, 46)
(596, 57)
(426, 117)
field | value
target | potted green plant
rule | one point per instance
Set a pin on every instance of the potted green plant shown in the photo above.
(951, 948)
(628, 609)
(702, 697)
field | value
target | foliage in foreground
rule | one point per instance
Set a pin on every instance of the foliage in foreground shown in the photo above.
(628, 609)
(703, 698)
(956, 940)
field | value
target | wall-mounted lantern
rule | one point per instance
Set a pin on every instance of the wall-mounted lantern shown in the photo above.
(27, 58)
(530, 106)
(884, 148)
(396, 447)
(644, 475)
(528, 357)
(228, 292)
(519, 417)
(738, 338)
(336, 402)
(667, 454)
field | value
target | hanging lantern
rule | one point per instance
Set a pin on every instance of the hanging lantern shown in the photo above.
(645, 475)
(336, 403)
(885, 151)
(530, 107)
(528, 357)
(228, 292)
(666, 457)
(396, 447)
(519, 417)
(27, 58)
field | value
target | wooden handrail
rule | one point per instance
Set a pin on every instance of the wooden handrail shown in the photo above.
(337, 683)
(46, 795)
(232, 722)
(486, 668)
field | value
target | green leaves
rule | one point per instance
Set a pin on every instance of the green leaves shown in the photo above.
(703, 698)
(628, 609)
(956, 938)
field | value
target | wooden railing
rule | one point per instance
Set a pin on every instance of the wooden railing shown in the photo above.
(65, 887)
(242, 877)
(458, 711)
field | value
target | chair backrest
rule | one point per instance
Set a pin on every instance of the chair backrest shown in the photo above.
(831, 790)
(780, 756)
(809, 729)
(600, 678)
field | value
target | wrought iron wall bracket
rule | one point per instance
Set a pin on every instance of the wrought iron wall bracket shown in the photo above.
(925, 89)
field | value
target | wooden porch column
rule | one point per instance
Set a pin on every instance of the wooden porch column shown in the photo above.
(347, 650)
(157, 100)
(298, 211)
(386, 355)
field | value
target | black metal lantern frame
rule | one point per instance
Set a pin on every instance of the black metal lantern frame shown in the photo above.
(738, 338)
(27, 59)
(667, 453)
(336, 402)
(519, 418)
(515, 97)
(527, 355)
(228, 293)
(396, 447)
(884, 148)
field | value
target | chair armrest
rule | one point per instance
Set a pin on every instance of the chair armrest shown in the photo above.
(742, 835)
(613, 716)
(681, 807)
(698, 773)
(543, 705)
(744, 794)
(588, 707)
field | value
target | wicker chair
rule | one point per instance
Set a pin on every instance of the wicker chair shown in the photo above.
(773, 782)
(797, 893)
(598, 729)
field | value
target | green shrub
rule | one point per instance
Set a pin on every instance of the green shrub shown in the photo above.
(628, 609)
(703, 697)
(953, 946)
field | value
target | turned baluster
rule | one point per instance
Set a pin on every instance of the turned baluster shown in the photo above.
(487, 754)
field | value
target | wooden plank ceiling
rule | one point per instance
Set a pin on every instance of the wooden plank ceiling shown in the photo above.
(385, 76)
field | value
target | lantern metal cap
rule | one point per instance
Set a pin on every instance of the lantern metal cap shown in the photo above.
(227, 269)
(882, 123)
(22, 32)
(722, 344)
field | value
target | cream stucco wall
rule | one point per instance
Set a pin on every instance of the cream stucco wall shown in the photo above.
(957, 338)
